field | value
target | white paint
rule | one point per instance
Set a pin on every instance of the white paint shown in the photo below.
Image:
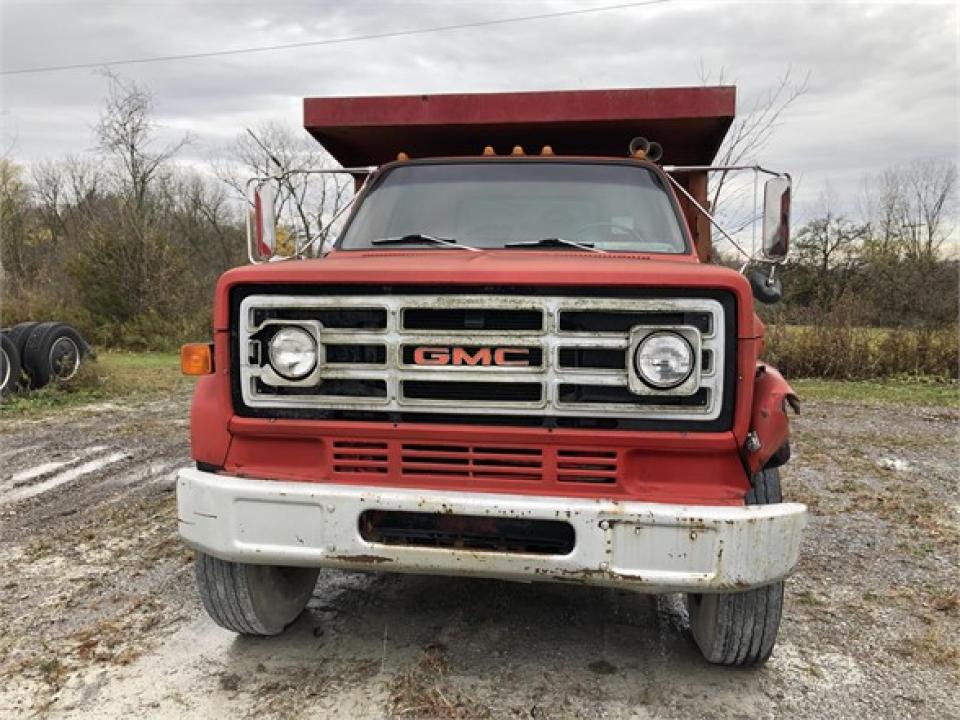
(65, 477)
(649, 547)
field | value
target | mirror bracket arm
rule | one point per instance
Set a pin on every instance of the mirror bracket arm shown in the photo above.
(708, 216)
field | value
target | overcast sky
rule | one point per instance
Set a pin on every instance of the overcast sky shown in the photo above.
(883, 77)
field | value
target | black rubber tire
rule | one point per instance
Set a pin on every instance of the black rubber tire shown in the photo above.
(9, 365)
(740, 629)
(253, 599)
(19, 334)
(40, 347)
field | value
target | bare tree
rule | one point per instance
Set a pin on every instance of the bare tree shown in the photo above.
(14, 210)
(910, 208)
(306, 201)
(126, 132)
(933, 185)
(756, 123)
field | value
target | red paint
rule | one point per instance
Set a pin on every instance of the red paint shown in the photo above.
(649, 466)
(768, 417)
(688, 122)
(701, 468)
(212, 408)
(484, 356)
(692, 468)
(520, 268)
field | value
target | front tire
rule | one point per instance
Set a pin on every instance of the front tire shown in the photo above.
(740, 629)
(253, 599)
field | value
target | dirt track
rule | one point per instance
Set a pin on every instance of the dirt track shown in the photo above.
(99, 617)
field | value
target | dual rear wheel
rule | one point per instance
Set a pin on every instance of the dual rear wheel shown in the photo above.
(36, 354)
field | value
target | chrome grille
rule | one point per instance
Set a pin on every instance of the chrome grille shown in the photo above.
(574, 371)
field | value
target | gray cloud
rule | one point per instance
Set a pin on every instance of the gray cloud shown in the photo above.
(883, 77)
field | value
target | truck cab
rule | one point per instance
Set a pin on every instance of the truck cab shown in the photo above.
(515, 361)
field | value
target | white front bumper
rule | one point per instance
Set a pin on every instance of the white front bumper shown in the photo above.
(650, 547)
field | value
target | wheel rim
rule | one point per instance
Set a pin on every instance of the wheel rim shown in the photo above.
(64, 359)
(5, 366)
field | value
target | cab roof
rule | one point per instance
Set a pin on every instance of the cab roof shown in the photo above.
(690, 123)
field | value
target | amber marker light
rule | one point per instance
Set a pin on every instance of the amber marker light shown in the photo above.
(196, 359)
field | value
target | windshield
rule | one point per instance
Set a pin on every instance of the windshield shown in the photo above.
(606, 206)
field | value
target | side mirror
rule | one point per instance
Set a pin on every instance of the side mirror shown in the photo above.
(766, 287)
(265, 221)
(776, 218)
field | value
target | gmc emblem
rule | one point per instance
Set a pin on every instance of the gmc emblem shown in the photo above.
(501, 356)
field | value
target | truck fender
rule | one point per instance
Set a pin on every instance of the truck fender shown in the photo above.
(769, 425)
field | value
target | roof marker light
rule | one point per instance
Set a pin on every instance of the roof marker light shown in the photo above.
(488, 150)
(401, 156)
(547, 150)
(517, 150)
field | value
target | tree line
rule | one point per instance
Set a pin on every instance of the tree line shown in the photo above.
(888, 264)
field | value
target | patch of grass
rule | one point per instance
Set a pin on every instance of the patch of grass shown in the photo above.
(112, 375)
(932, 647)
(424, 691)
(846, 352)
(901, 391)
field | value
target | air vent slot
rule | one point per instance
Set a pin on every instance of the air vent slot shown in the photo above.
(360, 458)
(471, 391)
(482, 463)
(467, 532)
(328, 388)
(571, 393)
(611, 321)
(356, 354)
(471, 319)
(333, 318)
(593, 358)
(587, 466)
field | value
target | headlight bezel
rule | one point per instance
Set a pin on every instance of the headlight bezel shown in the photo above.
(641, 386)
(271, 375)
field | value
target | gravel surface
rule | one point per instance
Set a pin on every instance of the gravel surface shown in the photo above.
(99, 616)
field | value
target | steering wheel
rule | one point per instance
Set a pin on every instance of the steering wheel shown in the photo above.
(612, 225)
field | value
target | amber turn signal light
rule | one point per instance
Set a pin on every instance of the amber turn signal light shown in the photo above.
(196, 359)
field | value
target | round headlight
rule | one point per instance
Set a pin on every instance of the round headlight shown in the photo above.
(293, 353)
(663, 360)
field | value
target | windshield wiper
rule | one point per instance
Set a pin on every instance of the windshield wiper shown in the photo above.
(414, 238)
(554, 242)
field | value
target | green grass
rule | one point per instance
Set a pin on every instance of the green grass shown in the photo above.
(903, 391)
(113, 375)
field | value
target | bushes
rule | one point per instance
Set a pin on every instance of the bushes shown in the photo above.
(848, 352)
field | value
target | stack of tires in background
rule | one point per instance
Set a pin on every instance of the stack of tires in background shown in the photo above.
(34, 354)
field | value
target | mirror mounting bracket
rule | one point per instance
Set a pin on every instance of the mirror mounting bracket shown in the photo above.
(749, 258)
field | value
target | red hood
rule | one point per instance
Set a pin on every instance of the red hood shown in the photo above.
(503, 267)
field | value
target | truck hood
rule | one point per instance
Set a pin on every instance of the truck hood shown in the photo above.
(516, 268)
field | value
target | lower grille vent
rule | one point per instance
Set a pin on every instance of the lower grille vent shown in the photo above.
(467, 532)
(587, 466)
(482, 463)
(360, 457)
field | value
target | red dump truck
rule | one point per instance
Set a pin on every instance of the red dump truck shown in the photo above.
(515, 361)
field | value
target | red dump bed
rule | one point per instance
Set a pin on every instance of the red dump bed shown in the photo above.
(688, 122)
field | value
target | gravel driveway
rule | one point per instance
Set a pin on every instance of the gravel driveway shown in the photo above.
(99, 616)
